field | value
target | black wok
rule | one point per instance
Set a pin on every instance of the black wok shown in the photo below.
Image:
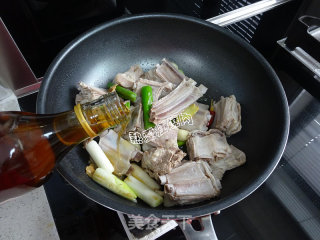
(207, 53)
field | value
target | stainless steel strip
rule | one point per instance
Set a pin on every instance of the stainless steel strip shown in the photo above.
(246, 12)
(207, 231)
(29, 89)
(315, 33)
(302, 56)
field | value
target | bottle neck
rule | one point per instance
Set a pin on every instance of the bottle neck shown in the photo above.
(68, 129)
(83, 121)
(89, 120)
(103, 113)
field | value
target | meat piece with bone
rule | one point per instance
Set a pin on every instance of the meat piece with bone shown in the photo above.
(152, 75)
(169, 73)
(190, 183)
(164, 135)
(157, 87)
(88, 93)
(235, 159)
(228, 115)
(160, 161)
(210, 145)
(119, 159)
(176, 101)
(199, 120)
(128, 79)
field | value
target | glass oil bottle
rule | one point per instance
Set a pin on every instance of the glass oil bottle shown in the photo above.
(31, 144)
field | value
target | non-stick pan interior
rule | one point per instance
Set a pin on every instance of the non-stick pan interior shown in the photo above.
(208, 54)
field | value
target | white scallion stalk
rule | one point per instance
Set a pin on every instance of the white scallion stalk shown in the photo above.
(114, 184)
(144, 177)
(183, 135)
(143, 192)
(98, 156)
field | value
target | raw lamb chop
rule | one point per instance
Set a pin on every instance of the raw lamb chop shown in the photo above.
(128, 79)
(169, 73)
(200, 119)
(190, 183)
(228, 115)
(176, 101)
(210, 146)
(88, 93)
(231, 161)
(152, 75)
(159, 161)
(166, 138)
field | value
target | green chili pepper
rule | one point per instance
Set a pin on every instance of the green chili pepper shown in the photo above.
(146, 99)
(110, 84)
(127, 104)
(124, 93)
(181, 143)
(176, 66)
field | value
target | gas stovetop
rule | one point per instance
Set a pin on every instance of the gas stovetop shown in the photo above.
(282, 208)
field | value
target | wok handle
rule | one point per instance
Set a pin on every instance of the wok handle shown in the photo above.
(207, 231)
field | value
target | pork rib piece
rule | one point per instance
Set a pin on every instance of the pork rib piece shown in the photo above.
(228, 115)
(231, 161)
(200, 119)
(128, 79)
(210, 146)
(159, 161)
(176, 101)
(169, 73)
(190, 183)
(88, 93)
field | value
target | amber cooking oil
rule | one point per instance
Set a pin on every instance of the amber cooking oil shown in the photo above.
(31, 144)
